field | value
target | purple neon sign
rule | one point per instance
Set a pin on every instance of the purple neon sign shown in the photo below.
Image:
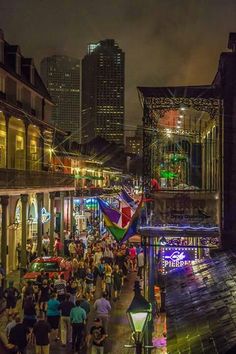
(178, 257)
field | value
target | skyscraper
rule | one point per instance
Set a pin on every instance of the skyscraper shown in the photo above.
(103, 92)
(61, 75)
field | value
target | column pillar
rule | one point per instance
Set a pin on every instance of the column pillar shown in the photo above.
(51, 231)
(71, 211)
(4, 203)
(24, 203)
(62, 236)
(39, 197)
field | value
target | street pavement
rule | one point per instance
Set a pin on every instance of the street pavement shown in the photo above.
(118, 329)
(119, 332)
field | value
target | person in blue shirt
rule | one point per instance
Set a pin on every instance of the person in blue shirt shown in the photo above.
(53, 315)
(77, 320)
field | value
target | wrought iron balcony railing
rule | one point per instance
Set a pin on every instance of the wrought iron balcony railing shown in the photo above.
(12, 179)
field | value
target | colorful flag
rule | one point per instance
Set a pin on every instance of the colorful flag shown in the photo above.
(133, 225)
(128, 199)
(116, 231)
(126, 215)
(112, 214)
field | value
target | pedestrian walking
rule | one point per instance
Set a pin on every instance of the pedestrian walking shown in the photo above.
(11, 323)
(75, 266)
(103, 307)
(97, 337)
(108, 255)
(117, 281)
(41, 331)
(85, 305)
(53, 315)
(5, 347)
(140, 263)
(77, 320)
(18, 253)
(60, 287)
(132, 257)
(81, 274)
(18, 336)
(108, 280)
(89, 283)
(58, 247)
(72, 249)
(44, 295)
(27, 290)
(98, 256)
(72, 287)
(29, 310)
(11, 294)
(46, 244)
(65, 326)
(101, 272)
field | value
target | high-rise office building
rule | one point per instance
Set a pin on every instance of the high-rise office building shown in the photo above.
(103, 92)
(61, 75)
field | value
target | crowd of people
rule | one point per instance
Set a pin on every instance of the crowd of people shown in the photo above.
(75, 311)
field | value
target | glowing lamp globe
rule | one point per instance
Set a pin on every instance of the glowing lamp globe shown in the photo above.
(138, 312)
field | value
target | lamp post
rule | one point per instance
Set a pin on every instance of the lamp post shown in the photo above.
(138, 313)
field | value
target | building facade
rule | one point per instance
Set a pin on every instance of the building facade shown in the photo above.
(29, 187)
(61, 76)
(189, 151)
(103, 80)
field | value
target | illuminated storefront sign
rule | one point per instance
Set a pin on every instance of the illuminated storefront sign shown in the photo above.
(45, 215)
(91, 203)
(178, 257)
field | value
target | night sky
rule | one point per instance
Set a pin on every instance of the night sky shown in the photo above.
(166, 42)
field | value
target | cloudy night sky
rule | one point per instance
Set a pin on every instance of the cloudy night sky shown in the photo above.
(166, 42)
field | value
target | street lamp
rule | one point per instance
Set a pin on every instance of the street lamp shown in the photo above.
(138, 313)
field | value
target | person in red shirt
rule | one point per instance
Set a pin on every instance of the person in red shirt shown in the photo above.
(132, 257)
(58, 246)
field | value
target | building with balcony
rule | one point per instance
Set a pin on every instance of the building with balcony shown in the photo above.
(189, 149)
(29, 184)
(61, 75)
(103, 79)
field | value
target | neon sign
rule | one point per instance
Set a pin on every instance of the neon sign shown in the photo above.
(175, 258)
(45, 215)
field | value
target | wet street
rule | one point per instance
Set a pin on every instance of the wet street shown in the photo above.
(118, 329)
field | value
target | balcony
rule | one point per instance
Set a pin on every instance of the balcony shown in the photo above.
(20, 179)
(186, 207)
(94, 192)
